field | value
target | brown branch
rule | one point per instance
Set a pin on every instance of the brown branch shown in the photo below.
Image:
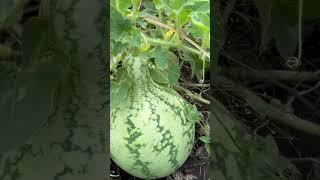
(196, 85)
(290, 90)
(292, 98)
(192, 95)
(279, 75)
(306, 159)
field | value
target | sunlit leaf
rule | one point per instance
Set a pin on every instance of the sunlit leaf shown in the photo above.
(201, 20)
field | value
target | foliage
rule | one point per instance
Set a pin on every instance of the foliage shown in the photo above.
(165, 31)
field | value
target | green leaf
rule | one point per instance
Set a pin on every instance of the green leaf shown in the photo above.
(176, 9)
(170, 75)
(201, 20)
(204, 139)
(123, 6)
(201, 27)
(118, 25)
(133, 38)
(182, 17)
(119, 90)
(127, 8)
(201, 6)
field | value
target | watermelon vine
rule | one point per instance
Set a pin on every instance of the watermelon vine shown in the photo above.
(152, 127)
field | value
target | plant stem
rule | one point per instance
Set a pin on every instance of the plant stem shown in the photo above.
(166, 43)
(196, 45)
(197, 85)
(192, 95)
(290, 90)
(154, 21)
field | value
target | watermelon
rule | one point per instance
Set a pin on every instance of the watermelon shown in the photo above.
(152, 128)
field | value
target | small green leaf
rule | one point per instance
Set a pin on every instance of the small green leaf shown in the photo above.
(183, 17)
(205, 139)
(119, 90)
(170, 75)
(159, 76)
(176, 9)
(123, 6)
(119, 26)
